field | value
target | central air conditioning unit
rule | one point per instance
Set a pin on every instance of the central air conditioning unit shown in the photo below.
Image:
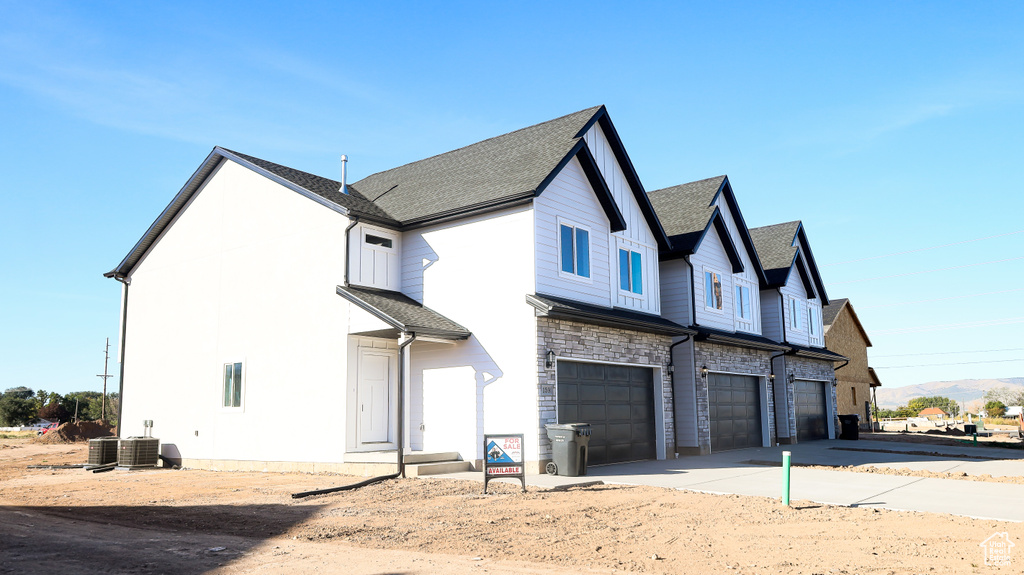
(103, 450)
(138, 452)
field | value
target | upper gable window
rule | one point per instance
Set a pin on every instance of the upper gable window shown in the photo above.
(574, 247)
(743, 310)
(812, 321)
(630, 272)
(379, 241)
(794, 314)
(713, 297)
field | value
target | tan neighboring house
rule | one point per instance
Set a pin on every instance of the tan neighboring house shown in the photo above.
(845, 335)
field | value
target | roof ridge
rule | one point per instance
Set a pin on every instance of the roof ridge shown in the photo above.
(250, 158)
(593, 108)
(688, 183)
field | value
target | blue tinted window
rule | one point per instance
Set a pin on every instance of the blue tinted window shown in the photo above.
(624, 270)
(582, 253)
(637, 268)
(567, 252)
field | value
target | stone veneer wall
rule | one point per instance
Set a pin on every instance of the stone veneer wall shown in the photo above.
(812, 369)
(581, 341)
(732, 359)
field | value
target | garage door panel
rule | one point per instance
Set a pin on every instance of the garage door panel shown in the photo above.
(618, 402)
(619, 412)
(735, 411)
(811, 410)
(592, 393)
(590, 413)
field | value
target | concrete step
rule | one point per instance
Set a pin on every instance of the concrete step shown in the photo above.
(430, 456)
(437, 468)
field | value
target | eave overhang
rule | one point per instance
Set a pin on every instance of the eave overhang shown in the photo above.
(559, 308)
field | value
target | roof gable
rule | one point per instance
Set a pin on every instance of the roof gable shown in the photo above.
(830, 314)
(688, 210)
(783, 246)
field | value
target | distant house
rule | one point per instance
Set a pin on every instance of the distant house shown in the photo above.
(932, 412)
(845, 335)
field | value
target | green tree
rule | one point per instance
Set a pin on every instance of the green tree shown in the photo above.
(946, 404)
(20, 392)
(16, 411)
(995, 409)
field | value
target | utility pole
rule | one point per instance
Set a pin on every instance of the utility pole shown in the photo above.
(105, 376)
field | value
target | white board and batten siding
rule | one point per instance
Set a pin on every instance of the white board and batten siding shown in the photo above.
(375, 256)
(487, 383)
(220, 287)
(637, 236)
(793, 291)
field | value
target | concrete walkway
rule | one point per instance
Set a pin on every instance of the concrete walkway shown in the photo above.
(750, 472)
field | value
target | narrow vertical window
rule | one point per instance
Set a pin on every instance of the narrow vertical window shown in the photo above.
(638, 275)
(794, 314)
(743, 302)
(812, 321)
(712, 290)
(624, 270)
(233, 384)
(574, 250)
(582, 253)
(568, 257)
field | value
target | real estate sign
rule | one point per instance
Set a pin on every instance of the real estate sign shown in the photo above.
(503, 457)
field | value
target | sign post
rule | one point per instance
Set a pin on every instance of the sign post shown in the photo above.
(503, 457)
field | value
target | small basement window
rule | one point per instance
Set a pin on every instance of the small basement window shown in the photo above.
(379, 241)
(233, 384)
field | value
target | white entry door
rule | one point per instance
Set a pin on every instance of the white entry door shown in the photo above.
(375, 373)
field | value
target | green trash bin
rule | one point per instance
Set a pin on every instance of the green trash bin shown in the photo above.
(569, 448)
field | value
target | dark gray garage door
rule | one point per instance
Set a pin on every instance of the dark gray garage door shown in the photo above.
(735, 402)
(617, 401)
(811, 415)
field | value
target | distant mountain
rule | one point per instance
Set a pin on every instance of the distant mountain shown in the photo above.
(965, 390)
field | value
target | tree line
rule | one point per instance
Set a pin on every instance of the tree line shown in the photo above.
(21, 406)
(995, 403)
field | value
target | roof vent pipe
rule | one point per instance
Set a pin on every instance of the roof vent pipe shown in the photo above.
(344, 162)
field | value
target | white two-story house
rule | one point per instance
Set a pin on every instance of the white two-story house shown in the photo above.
(791, 312)
(499, 287)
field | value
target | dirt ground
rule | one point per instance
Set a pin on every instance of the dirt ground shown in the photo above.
(189, 521)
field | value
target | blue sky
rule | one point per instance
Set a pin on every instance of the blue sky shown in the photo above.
(885, 127)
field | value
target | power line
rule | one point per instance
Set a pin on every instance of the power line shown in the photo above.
(938, 299)
(991, 322)
(950, 352)
(929, 271)
(923, 249)
(939, 364)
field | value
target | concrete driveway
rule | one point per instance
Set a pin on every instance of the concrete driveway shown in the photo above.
(751, 472)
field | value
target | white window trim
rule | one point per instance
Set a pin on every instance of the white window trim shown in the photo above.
(793, 305)
(245, 373)
(814, 312)
(559, 222)
(703, 281)
(751, 325)
(379, 233)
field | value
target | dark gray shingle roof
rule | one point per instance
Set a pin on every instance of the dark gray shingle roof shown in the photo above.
(686, 209)
(560, 308)
(511, 165)
(323, 187)
(774, 246)
(403, 312)
(830, 312)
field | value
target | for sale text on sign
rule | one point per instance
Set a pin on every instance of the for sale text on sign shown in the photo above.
(503, 457)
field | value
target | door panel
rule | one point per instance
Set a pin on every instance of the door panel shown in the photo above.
(375, 372)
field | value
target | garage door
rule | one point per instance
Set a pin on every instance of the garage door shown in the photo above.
(617, 401)
(811, 415)
(735, 402)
